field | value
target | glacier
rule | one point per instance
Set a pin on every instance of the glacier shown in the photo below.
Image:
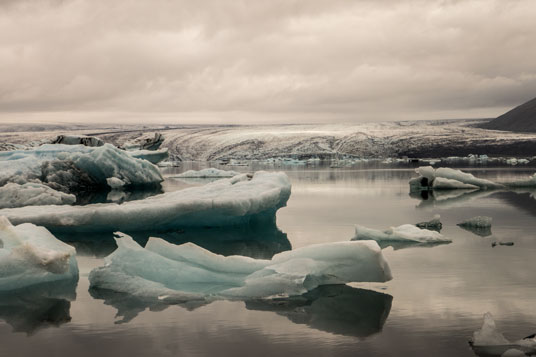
(32, 194)
(32, 255)
(489, 341)
(400, 237)
(178, 273)
(72, 168)
(234, 201)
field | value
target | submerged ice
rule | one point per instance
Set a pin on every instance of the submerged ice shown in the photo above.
(32, 255)
(175, 273)
(233, 201)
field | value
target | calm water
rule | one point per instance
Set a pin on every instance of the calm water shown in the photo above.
(431, 307)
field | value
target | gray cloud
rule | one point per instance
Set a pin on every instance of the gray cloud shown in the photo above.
(303, 59)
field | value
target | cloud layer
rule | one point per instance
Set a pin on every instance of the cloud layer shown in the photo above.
(240, 60)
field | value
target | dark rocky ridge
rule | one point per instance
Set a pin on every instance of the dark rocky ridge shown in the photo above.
(520, 119)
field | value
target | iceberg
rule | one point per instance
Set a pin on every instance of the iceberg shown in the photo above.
(490, 342)
(226, 202)
(78, 140)
(401, 236)
(448, 179)
(32, 194)
(206, 173)
(145, 143)
(434, 224)
(72, 168)
(178, 273)
(478, 222)
(153, 156)
(530, 182)
(32, 255)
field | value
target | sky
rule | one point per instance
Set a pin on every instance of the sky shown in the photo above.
(247, 62)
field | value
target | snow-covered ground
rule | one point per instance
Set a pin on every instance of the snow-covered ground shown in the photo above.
(387, 139)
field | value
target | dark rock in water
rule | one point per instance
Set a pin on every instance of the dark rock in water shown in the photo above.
(78, 140)
(521, 119)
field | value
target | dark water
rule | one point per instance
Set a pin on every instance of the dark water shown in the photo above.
(431, 307)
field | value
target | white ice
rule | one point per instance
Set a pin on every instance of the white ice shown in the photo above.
(403, 233)
(179, 272)
(32, 194)
(32, 255)
(207, 173)
(224, 202)
(449, 179)
(99, 163)
(441, 183)
(477, 222)
(153, 156)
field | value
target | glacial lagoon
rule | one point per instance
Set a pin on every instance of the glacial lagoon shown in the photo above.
(434, 303)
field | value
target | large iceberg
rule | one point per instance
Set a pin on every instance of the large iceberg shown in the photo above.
(447, 178)
(398, 237)
(32, 255)
(489, 342)
(32, 194)
(72, 168)
(226, 202)
(177, 273)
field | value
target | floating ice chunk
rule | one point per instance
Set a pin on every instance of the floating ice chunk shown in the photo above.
(434, 224)
(32, 194)
(401, 236)
(489, 341)
(32, 255)
(169, 272)
(441, 183)
(224, 202)
(59, 166)
(78, 140)
(207, 173)
(448, 179)
(153, 156)
(478, 222)
(513, 352)
(531, 182)
(115, 183)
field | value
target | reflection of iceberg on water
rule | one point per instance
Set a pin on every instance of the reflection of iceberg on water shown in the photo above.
(260, 241)
(226, 202)
(39, 306)
(488, 342)
(338, 309)
(178, 273)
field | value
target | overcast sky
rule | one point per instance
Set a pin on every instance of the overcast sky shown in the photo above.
(265, 61)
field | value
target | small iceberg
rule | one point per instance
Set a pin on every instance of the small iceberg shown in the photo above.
(32, 194)
(226, 202)
(447, 179)
(206, 173)
(32, 255)
(177, 273)
(401, 236)
(479, 225)
(489, 342)
(434, 224)
(153, 156)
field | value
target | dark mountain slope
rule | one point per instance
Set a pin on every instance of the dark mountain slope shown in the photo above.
(520, 119)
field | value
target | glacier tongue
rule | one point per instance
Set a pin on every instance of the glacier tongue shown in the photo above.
(32, 255)
(177, 273)
(225, 202)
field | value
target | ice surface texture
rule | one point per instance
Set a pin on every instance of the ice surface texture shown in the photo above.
(71, 168)
(176, 273)
(32, 255)
(207, 173)
(489, 341)
(406, 233)
(225, 202)
(32, 194)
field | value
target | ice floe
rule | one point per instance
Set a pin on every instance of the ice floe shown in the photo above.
(398, 237)
(206, 173)
(490, 342)
(32, 255)
(175, 273)
(72, 168)
(225, 202)
(32, 194)
(448, 179)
